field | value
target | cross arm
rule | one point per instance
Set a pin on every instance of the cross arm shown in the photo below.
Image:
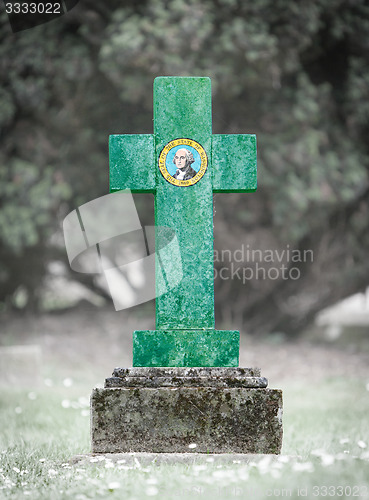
(234, 163)
(131, 162)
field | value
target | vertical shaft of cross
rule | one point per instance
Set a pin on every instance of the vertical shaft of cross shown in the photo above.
(182, 109)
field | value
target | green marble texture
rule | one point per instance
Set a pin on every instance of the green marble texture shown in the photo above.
(186, 348)
(182, 109)
(132, 163)
(234, 163)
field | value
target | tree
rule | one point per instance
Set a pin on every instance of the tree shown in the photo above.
(296, 75)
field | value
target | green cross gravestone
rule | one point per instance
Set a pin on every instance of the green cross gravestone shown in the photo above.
(183, 164)
(185, 390)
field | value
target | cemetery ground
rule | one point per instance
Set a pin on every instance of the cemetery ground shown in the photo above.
(45, 423)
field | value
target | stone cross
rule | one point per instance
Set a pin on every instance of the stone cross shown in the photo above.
(183, 164)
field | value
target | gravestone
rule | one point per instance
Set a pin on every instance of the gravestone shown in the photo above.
(185, 387)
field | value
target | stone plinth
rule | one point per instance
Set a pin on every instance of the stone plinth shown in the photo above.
(186, 348)
(164, 410)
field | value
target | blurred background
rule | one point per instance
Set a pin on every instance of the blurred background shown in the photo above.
(295, 74)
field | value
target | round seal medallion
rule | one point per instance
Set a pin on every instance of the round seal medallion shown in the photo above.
(183, 162)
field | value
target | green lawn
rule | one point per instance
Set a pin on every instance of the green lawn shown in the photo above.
(325, 451)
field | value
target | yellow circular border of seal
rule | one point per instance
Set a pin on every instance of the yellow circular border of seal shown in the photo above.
(183, 142)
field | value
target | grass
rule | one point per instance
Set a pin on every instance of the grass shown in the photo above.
(325, 451)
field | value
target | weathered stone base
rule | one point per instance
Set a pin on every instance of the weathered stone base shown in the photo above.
(222, 414)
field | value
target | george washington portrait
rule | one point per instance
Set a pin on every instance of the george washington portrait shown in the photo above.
(183, 160)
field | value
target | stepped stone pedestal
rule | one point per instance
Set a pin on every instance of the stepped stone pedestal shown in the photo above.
(165, 410)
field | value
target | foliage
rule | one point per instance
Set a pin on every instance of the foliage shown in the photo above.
(295, 74)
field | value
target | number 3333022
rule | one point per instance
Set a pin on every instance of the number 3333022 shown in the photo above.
(33, 8)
